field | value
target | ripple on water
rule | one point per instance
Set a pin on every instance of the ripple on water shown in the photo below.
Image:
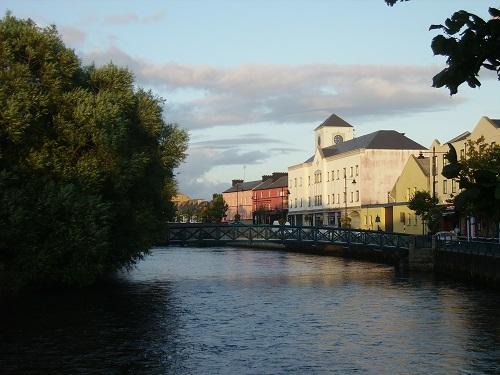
(226, 311)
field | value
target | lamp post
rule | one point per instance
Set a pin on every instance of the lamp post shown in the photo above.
(345, 194)
(237, 216)
(433, 170)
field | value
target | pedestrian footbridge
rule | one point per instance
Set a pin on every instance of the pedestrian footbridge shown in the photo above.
(219, 234)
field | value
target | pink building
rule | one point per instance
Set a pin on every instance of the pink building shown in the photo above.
(239, 199)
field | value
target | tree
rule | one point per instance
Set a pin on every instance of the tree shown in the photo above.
(86, 162)
(478, 174)
(216, 209)
(427, 208)
(470, 43)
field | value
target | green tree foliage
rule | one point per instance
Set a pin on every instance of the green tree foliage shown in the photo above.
(427, 208)
(86, 162)
(215, 210)
(478, 174)
(470, 43)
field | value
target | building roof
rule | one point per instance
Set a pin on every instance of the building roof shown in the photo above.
(495, 122)
(424, 164)
(336, 121)
(459, 137)
(244, 186)
(280, 182)
(379, 140)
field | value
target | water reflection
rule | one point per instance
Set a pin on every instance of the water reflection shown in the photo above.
(120, 327)
(226, 311)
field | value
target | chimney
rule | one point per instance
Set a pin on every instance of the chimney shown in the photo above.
(277, 175)
(235, 182)
(265, 177)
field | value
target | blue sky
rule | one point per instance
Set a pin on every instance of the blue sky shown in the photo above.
(250, 80)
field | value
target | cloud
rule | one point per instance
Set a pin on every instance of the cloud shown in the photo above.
(131, 17)
(246, 139)
(194, 175)
(285, 94)
(72, 35)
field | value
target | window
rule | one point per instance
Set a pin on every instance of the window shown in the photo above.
(357, 170)
(328, 176)
(338, 198)
(295, 182)
(300, 202)
(414, 191)
(333, 198)
(338, 174)
(345, 173)
(352, 194)
(309, 180)
(300, 181)
(445, 160)
(333, 175)
(351, 171)
(453, 186)
(357, 195)
(345, 197)
(462, 154)
(295, 202)
(328, 199)
(402, 217)
(309, 201)
(445, 186)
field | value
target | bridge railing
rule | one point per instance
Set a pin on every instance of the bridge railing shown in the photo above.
(483, 248)
(190, 233)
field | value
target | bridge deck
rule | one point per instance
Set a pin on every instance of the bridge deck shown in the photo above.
(223, 233)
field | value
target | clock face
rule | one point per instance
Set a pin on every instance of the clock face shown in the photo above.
(337, 139)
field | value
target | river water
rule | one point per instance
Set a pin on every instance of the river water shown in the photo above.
(237, 311)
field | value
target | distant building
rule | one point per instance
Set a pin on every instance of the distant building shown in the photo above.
(188, 210)
(413, 178)
(239, 200)
(346, 175)
(445, 189)
(270, 199)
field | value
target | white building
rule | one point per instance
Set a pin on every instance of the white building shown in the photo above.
(346, 174)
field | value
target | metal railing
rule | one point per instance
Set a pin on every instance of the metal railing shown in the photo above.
(224, 233)
(474, 247)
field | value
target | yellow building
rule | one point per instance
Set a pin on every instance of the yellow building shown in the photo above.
(413, 178)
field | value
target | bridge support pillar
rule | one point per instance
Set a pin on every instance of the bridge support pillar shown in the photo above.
(421, 259)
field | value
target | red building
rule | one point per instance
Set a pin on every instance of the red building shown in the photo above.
(270, 199)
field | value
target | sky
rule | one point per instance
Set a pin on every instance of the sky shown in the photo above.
(250, 80)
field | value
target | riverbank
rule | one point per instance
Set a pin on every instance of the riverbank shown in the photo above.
(474, 269)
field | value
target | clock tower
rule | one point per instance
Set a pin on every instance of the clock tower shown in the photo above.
(333, 131)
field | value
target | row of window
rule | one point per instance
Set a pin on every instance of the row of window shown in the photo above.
(262, 193)
(408, 218)
(318, 177)
(331, 199)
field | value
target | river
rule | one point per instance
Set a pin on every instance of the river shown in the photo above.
(240, 311)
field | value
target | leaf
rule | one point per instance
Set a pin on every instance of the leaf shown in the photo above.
(434, 27)
(494, 12)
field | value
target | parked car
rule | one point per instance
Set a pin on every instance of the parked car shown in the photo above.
(446, 236)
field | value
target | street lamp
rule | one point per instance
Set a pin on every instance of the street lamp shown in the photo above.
(282, 199)
(434, 152)
(237, 216)
(345, 193)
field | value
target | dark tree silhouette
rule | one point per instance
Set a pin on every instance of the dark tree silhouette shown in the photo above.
(470, 43)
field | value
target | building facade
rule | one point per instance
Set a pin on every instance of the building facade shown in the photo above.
(445, 190)
(270, 199)
(239, 200)
(413, 178)
(346, 175)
